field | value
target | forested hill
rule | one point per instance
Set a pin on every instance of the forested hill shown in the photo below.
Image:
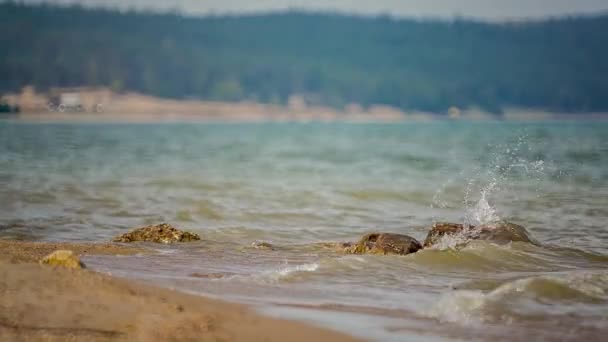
(559, 65)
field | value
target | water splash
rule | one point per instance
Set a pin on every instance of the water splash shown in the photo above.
(484, 212)
(494, 179)
(286, 273)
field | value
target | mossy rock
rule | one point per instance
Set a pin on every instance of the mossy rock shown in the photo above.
(384, 243)
(159, 233)
(63, 258)
(498, 232)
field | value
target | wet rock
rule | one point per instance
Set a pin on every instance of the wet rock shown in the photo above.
(440, 229)
(160, 233)
(504, 232)
(338, 246)
(499, 232)
(63, 258)
(384, 243)
(262, 245)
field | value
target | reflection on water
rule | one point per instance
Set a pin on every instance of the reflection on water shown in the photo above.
(296, 185)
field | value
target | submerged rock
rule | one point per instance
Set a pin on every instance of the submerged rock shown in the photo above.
(160, 233)
(499, 232)
(64, 258)
(262, 245)
(384, 243)
(338, 246)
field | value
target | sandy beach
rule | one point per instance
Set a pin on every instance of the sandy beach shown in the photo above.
(44, 303)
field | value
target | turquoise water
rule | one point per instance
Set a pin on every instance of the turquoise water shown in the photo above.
(297, 185)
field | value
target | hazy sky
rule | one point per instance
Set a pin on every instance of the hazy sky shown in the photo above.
(488, 9)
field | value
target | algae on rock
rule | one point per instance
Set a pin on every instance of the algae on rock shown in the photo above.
(159, 233)
(384, 243)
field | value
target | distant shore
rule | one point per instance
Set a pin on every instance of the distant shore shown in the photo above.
(55, 304)
(102, 105)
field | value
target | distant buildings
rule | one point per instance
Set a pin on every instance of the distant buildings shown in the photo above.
(80, 99)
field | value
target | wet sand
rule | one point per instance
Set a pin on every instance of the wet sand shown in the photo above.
(56, 304)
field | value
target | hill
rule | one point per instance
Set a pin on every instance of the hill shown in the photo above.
(557, 65)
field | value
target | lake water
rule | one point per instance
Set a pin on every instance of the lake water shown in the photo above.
(299, 185)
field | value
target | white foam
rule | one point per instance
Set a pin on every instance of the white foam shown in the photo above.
(298, 268)
(286, 272)
(471, 306)
(458, 307)
(451, 241)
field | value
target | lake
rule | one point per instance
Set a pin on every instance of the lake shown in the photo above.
(298, 186)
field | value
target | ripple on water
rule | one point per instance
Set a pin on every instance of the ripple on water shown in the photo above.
(296, 185)
(552, 295)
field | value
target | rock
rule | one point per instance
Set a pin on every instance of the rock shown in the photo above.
(384, 243)
(64, 258)
(499, 232)
(160, 233)
(344, 247)
(504, 232)
(262, 245)
(439, 229)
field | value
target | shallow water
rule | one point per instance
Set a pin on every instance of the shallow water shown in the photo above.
(297, 185)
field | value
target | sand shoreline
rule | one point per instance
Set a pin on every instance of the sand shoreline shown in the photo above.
(55, 304)
(102, 105)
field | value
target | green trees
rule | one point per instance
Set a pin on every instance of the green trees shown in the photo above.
(559, 65)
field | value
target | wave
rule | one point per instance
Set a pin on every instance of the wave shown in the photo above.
(528, 298)
(483, 256)
(280, 275)
(289, 271)
(337, 268)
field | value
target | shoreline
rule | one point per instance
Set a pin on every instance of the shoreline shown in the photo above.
(54, 304)
(103, 105)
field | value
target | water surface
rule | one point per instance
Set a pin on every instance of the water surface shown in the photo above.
(298, 185)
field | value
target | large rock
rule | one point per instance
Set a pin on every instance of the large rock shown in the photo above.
(63, 258)
(499, 232)
(384, 243)
(160, 233)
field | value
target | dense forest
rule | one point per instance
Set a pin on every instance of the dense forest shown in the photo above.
(331, 59)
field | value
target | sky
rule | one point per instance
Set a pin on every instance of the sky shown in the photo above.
(482, 9)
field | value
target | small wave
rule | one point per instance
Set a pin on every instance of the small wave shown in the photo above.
(526, 298)
(288, 273)
(298, 268)
(323, 268)
(483, 256)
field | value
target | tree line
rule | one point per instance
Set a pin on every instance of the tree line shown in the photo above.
(330, 59)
